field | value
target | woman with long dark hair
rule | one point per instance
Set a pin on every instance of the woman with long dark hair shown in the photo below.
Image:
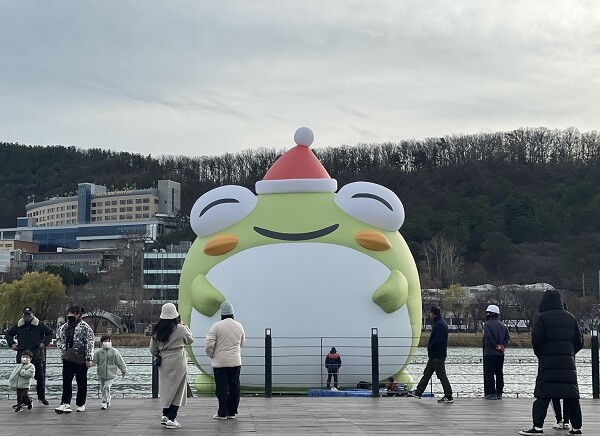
(75, 339)
(169, 337)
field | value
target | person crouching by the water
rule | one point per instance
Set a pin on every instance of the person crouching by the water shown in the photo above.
(75, 338)
(223, 345)
(20, 379)
(169, 338)
(333, 361)
(107, 360)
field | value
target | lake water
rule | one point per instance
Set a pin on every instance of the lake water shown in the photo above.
(463, 366)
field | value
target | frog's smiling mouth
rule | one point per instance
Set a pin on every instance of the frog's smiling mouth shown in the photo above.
(296, 236)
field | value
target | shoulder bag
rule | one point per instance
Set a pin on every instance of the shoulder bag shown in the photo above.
(75, 355)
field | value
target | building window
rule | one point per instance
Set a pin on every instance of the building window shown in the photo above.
(146, 215)
(107, 210)
(113, 209)
(129, 216)
(130, 201)
(129, 209)
(138, 215)
(99, 203)
(138, 200)
(121, 217)
(146, 200)
(146, 207)
(138, 208)
(156, 201)
(121, 201)
(114, 202)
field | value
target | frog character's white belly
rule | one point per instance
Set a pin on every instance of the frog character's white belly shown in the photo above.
(312, 296)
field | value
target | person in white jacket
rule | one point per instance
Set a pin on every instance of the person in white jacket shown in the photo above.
(223, 346)
(20, 379)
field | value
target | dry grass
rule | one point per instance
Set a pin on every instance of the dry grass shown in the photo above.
(517, 340)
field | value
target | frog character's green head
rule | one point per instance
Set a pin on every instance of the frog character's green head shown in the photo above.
(305, 262)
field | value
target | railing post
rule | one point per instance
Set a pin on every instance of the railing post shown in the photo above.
(595, 367)
(268, 364)
(374, 362)
(154, 381)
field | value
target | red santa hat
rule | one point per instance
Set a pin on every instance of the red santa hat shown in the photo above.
(297, 170)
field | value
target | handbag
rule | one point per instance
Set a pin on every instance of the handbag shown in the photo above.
(75, 355)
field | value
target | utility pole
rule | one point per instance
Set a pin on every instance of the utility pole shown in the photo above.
(583, 282)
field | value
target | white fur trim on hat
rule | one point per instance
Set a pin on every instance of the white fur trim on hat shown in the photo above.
(169, 311)
(295, 185)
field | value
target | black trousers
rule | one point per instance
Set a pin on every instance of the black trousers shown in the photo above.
(571, 406)
(69, 371)
(227, 389)
(171, 412)
(23, 396)
(335, 379)
(493, 369)
(439, 367)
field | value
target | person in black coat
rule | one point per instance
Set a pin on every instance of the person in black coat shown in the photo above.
(437, 350)
(333, 361)
(556, 338)
(33, 335)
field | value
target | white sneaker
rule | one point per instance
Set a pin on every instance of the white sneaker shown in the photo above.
(63, 408)
(81, 408)
(219, 417)
(172, 424)
(334, 389)
(558, 425)
(163, 420)
(230, 417)
(103, 406)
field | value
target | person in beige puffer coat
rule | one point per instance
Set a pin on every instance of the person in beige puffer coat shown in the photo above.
(223, 346)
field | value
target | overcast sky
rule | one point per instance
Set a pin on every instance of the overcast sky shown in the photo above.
(209, 77)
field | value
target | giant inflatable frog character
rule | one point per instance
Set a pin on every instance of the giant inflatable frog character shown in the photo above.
(316, 267)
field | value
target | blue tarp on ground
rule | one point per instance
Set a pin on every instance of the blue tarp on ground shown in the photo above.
(344, 393)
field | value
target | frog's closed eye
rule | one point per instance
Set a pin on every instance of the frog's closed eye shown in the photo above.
(372, 204)
(220, 208)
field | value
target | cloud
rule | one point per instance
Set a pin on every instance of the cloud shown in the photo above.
(211, 77)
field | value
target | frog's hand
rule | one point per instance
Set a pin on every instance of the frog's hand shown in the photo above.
(392, 294)
(206, 299)
(404, 377)
(204, 383)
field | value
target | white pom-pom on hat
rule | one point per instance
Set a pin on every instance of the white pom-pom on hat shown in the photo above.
(304, 136)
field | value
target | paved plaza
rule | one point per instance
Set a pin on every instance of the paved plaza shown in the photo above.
(293, 416)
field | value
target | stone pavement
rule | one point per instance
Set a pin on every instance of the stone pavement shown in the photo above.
(293, 416)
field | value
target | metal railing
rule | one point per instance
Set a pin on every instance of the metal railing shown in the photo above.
(291, 365)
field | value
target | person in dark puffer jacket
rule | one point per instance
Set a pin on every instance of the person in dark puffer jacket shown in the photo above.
(556, 338)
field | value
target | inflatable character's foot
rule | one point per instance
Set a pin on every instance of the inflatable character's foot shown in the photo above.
(205, 384)
(406, 378)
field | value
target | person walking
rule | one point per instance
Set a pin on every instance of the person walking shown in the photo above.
(556, 339)
(333, 361)
(20, 379)
(437, 350)
(496, 339)
(33, 335)
(75, 339)
(223, 346)
(107, 360)
(169, 337)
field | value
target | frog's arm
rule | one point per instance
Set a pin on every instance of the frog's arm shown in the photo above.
(392, 294)
(206, 299)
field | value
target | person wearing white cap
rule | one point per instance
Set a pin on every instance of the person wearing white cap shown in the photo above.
(496, 339)
(169, 337)
(223, 346)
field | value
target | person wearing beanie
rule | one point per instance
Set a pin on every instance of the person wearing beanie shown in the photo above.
(169, 337)
(333, 361)
(223, 346)
(496, 339)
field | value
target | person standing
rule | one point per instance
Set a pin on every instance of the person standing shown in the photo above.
(107, 360)
(496, 339)
(223, 346)
(333, 361)
(556, 339)
(75, 339)
(20, 379)
(169, 337)
(33, 335)
(437, 350)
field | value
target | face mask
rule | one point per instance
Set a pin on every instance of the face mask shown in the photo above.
(27, 317)
(106, 345)
(25, 360)
(71, 318)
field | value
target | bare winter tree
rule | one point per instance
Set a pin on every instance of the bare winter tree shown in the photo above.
(442, 260)
(100, 296)
(527, 304)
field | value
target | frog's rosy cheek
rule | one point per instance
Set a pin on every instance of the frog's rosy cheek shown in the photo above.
(373, 240)
(221, 244)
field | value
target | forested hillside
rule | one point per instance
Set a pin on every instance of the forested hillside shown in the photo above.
(507, 207)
